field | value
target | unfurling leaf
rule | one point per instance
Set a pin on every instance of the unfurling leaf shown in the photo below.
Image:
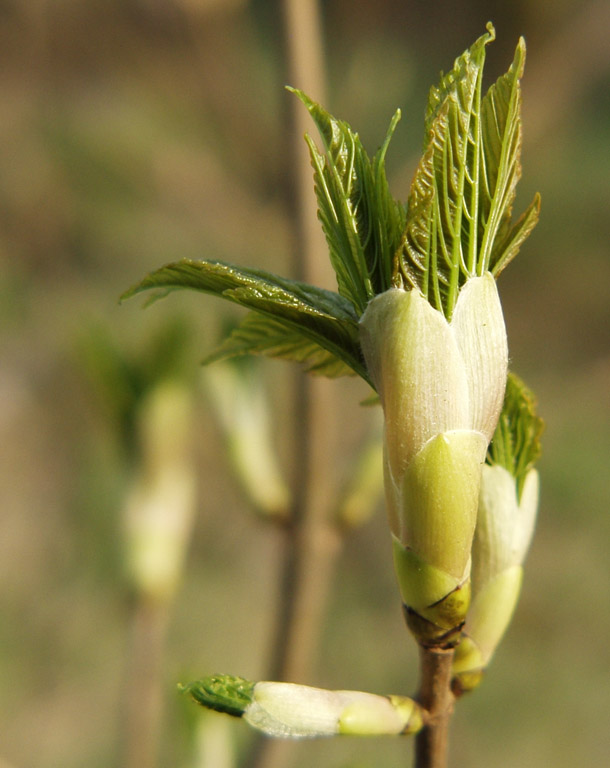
(363, 224)
(516, 441)
(320, 316)
(260, 335)
(460, 204)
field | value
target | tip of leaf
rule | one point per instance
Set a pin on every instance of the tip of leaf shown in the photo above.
(128, 294)
(491, 31)
(537, 202)
(519, 61)
(302, 96)
(139, 288)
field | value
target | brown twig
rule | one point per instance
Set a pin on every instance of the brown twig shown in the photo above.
(143, 694)
(431, 743)
(312, 541)
(310, 537)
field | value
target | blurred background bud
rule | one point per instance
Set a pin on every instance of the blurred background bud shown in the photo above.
(161, 501)
(242, 406)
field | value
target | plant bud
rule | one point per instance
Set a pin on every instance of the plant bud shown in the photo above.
(160, 505)
(299, 711)
(287, 710)
(505, 524)
(504, 530)
(441, 385)
(243, 409)
(432, 375)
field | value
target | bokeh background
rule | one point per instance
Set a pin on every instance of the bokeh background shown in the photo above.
(135, 132)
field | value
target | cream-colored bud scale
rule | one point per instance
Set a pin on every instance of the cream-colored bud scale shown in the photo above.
(441, 385)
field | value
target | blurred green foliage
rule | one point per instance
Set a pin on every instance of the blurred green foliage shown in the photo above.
(136, 132)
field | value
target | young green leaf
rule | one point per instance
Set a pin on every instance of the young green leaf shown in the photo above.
(460, 204)
(440, 245)
(222, 693)
(319, 316)
(511, 237)
(262, 335)
(386, 219)
(516, 441)
(501, 169)
(361, 221)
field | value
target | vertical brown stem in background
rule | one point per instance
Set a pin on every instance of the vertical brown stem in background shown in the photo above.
(312, 540)
(431, 744)
(143, 694)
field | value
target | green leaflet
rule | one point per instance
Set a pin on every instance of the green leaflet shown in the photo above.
(460, 203)
(363, 224)
(510, 238)
(501, 170)
(223, 693)
(516, 441)
(442, 220)
(261, 335)
(386, 216)
(321, 317)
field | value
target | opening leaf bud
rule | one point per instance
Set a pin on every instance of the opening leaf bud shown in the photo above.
(435, 376)
(504, 530)
(441, 385)
(287, 710)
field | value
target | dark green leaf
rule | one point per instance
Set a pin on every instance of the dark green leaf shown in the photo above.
(323, 317)
(261, 335)
(222, 693)
(361, 221)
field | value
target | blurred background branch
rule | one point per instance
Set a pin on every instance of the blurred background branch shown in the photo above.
(311, 538)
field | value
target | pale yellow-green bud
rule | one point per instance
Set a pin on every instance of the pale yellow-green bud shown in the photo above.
(504, 530)
(161, 502)
(243, 409)
(287, 710)
(505, 524)
(440, 490)
(364, 488)
(298, 711)
(441, 385)
(435, 376)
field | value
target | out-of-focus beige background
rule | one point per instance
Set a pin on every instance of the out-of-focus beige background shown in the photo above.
(135, 132)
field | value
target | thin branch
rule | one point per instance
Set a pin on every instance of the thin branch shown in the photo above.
(311, 538)
(312, 541)
(431, 744)
(143, 692)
